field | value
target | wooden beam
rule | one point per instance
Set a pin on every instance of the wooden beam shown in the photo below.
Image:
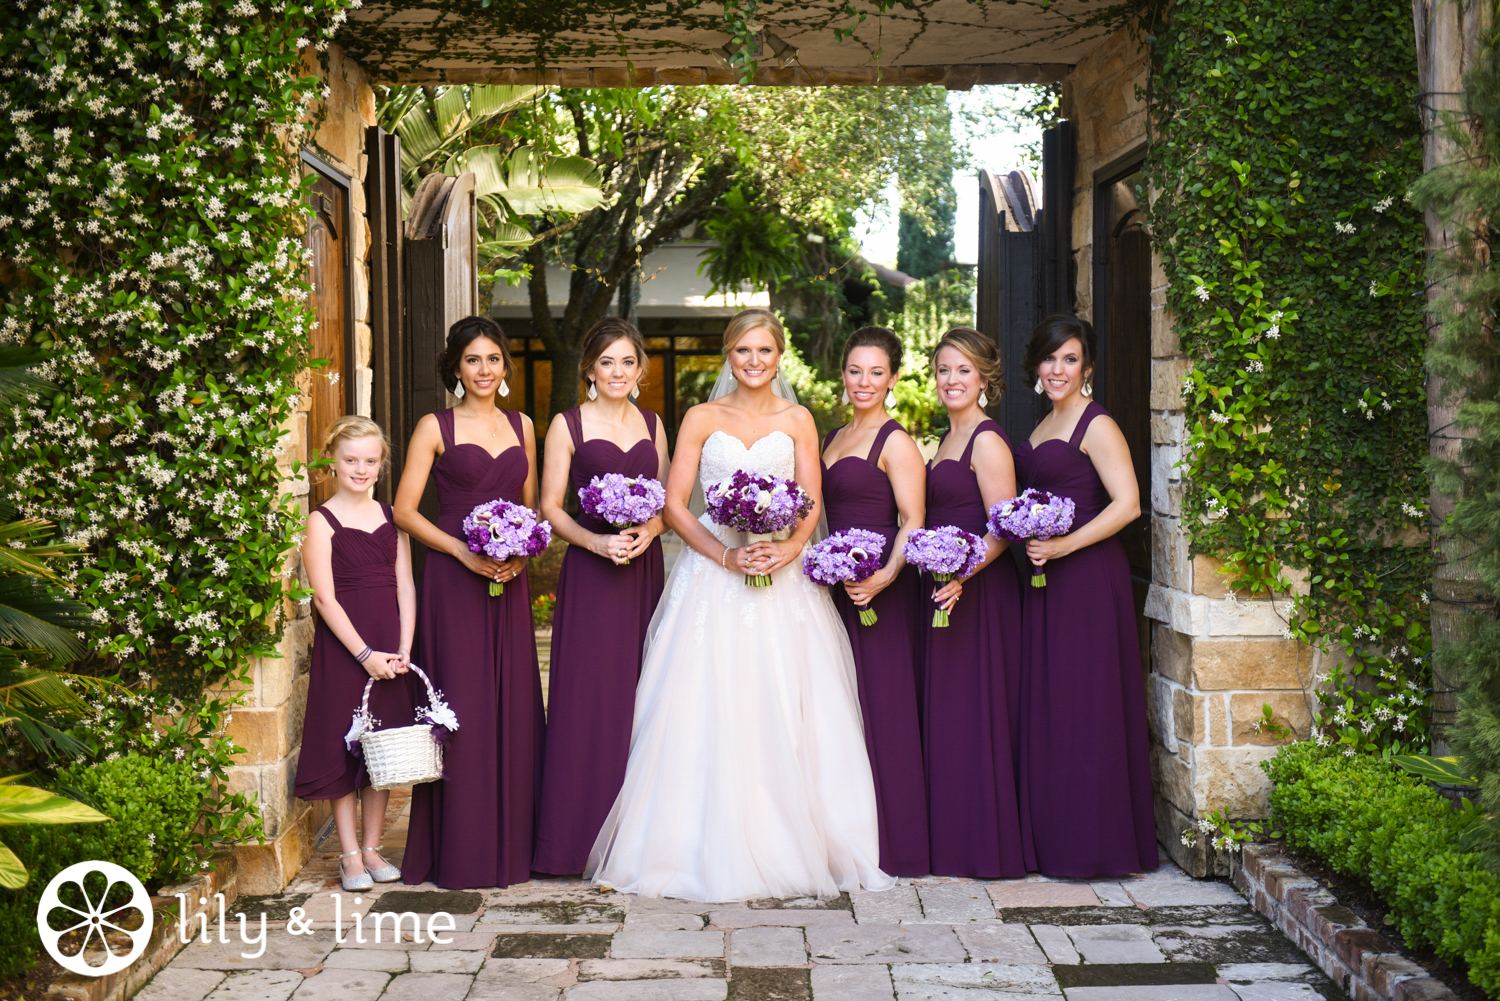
(957, 76)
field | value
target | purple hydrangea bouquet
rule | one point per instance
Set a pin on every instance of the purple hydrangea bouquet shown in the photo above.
(622, 501)
(852, 555)
(945, 552)
(500, 530)
(1035, 514)
(758, 505)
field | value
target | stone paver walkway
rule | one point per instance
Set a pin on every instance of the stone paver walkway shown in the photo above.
(1157, 937)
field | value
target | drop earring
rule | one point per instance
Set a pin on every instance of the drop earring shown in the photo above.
(635, 391)
(1038, 387)
(984, 401)
(845, 398)
(890, 399)
(1087, 388)
(458, 390)
(504, 388)
(593, 391)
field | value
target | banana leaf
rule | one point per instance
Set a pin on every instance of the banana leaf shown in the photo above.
(487, 100)
(531, 182)
(27, 805)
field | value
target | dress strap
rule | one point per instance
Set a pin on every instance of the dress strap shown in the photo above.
(328, 516)
(574, 420)
(885, 432)
(514, 416)
(445, 425)
(1094, 409)
(390, 515)
(984, 425)
(650, 416)
(828, 440)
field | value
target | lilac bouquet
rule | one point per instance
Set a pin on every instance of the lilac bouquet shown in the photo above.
(945, 553)
(1035, 514)
(851, 555)
(500, 530)
(758, 505)
(622, 501)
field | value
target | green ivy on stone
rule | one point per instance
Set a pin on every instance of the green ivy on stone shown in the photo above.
(1286, 141)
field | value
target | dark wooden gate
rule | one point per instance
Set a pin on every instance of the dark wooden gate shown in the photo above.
(388, 397)
(333, 337)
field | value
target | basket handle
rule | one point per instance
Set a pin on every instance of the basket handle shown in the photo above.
(364, 703)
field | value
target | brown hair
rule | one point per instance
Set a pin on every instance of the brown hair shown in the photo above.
(875, 337)
(604, 333)
(353, 426)
(463, 333)
(750, 319)
(1055, 331)
(983, 354)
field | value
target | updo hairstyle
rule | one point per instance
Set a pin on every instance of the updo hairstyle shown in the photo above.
(463, 333)
(874, 337)
(1052, 333)
(604, 333)
(983, 354)
(750, 319)
(354, 426)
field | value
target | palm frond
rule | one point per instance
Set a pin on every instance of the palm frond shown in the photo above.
(16, 379)
(34, 616)
(20, 553)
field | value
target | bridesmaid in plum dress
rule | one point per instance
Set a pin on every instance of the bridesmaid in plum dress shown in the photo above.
(973, 664)
(1085, 761)
(474, 828)
(873, 479)
(610, 584)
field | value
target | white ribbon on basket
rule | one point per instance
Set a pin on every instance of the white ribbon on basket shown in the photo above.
(437, 712)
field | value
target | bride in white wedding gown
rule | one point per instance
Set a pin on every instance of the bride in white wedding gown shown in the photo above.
(748, 775)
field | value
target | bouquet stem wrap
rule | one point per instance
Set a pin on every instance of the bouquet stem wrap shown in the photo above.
(758, 579)
(940, 614)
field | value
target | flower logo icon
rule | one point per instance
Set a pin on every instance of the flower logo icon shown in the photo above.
(96, 914)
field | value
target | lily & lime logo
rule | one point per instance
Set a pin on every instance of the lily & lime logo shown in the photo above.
(92, 906)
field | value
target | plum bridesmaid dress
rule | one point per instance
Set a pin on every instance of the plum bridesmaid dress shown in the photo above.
(598, 631)
(364, 582)
(857, 494)
(1085, 760)
(475, 826)
(973, 677)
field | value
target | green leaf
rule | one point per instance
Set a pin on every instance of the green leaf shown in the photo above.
(29, 805)
(1448, 770)
(531, 182)
(13, 874)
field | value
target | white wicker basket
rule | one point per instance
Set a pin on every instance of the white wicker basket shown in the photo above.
(402, 755)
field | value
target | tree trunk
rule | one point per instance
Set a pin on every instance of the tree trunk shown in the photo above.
(1448, 36)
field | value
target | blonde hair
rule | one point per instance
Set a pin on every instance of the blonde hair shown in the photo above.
(983, 354)
(750, 319)
(353, 426)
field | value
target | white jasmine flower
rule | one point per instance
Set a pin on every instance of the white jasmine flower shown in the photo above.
(1201, 293)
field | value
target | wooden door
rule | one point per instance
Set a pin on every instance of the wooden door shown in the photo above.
(327, 237)
(387, 300)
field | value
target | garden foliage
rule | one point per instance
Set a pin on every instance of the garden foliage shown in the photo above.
(1286, 143)
(1372, 823)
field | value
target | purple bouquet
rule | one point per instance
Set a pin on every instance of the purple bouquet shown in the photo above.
(622, 501)
(945, 553)
(500, 530)
(1035, 514)
(759, 506)
(851, 555)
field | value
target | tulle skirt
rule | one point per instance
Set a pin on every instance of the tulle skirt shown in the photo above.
(748, 775)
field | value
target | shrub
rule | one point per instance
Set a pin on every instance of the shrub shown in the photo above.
(1393, 832)
(542, 608)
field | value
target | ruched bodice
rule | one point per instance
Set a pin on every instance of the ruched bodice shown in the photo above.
(1061, 467)
(468, 476)
(856, 494)
(363, 560)
(953, 496)
(599, 456)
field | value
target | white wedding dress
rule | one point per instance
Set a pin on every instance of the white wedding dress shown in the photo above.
(748, 775)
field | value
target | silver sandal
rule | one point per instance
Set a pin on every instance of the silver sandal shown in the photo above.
(353, 884)
(386, 873)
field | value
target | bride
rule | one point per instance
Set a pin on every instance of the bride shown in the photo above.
(747, 775)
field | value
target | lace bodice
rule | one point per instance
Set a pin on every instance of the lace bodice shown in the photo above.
(723, 453)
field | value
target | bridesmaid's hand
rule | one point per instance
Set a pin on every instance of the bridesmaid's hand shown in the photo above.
(640, 538)
(947, 596)
(615, 548)
(865, 591)
(383, 666)
(512, 568)
(773, 555)
(404, 656)
(1039, 551)
(479, 563)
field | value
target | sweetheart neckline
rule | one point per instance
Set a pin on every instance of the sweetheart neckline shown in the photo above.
(764, 437)
(626, 451)
(493, 456)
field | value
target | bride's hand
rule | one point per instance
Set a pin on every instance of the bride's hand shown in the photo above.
(947, 596)
(773, 555)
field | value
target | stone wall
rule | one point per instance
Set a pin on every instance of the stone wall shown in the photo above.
(1216, 658)
(269, 722)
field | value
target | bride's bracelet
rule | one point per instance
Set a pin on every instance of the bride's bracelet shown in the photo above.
(723, 560)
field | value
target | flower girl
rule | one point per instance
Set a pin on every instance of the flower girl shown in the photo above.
(359, 566)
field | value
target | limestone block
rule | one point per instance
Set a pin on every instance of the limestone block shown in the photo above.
(361, 293)
(1172, 654)
(1218, 720)
(1172, 778)
(1288, 708)
(362, 342)
(1160, 703)
(1165, 466)
(1158, 273)
(261, 731)
(1246, 618)
(1207, 578)
(1166, 383)
(243, 779)
(1190, 715)
(297, 710)
(1177, 609)
(1166, 497)
(1169, 554)
(1165, 342)
(1230, 778)
(364, 386)
(1221, 664)
(276, 674)
(1167, 429)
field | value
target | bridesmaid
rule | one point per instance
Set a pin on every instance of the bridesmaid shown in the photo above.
(873, 479)
(973, 665)
(608, 576)
(474, 828)
(1085, 761)
(359, 566)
